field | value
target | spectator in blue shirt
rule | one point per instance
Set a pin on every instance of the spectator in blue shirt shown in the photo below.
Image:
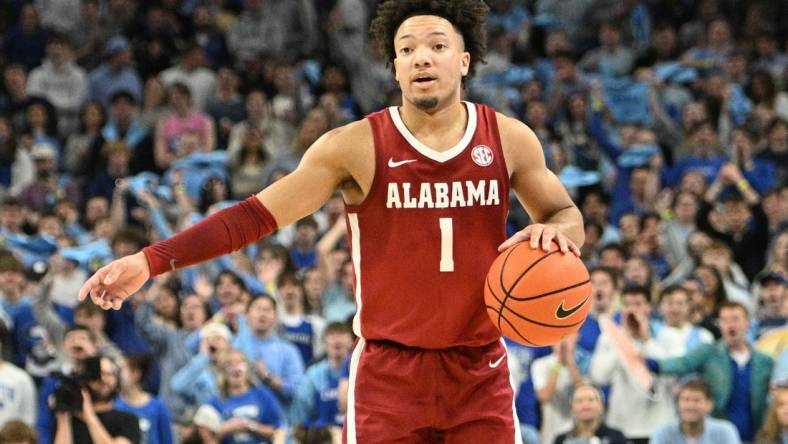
(278, 363)
(705, 156)
(694, 424)
(195, 383)
(154, 417)
(251, 415)
(741, 374)
(302, 329)
(115, 74)
(315, 410)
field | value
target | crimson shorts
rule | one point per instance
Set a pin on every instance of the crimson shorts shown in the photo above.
(399, 394)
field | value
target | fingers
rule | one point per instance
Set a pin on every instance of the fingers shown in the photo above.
(90, 285)
(536, 235)
(541, 236)
(520, 236)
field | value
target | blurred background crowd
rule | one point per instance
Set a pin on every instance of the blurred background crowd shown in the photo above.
(124, 121)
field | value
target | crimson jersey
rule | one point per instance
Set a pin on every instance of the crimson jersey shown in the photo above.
(424, 237)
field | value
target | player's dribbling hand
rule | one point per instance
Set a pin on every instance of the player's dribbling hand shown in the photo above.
(116, 281)
(541, 235)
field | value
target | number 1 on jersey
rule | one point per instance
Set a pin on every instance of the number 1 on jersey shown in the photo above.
(447, 244)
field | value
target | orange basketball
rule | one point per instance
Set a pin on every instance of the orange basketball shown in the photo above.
(536, 297)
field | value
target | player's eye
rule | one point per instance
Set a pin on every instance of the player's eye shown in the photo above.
(405, 50)
(440, 46)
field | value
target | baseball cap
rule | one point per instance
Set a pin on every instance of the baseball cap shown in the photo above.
(208, 417)
(773, 276)
(42, 151)
(215, 328)
(116, 44)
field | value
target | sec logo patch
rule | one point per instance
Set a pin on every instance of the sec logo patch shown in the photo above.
(482, 155)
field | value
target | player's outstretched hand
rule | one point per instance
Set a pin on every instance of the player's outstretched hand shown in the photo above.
(541, 235)
(116, 281)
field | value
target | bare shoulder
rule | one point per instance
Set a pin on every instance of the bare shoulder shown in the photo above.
(345, 141)
(521, 147)
(348, 151)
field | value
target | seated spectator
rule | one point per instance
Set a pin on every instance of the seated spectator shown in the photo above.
(248, 165)
(204, 428)
(17, 432)
(47, 188)
(124, 125)
(612, 58)
(115, 74)
(195, 383)
(277, 361)
(740, 373)
(249, 413)
(554, 377)
(315, 408)
(183, 119)
(25, 41)
(588, 410)
(17, 392)
(604, 293)
(170, 343)
(607, 368)
(301, 329)
(694, 425)
(740, 223)
(226, 106)
(775, 429)
(154, 417)
(304, 252)
(61, 81)
(773, 306)
(98, 419)
(78, 344)
(277, 134)
(191, 71)
(676, 333)
(79, 142)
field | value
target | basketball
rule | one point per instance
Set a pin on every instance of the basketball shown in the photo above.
(536, 297)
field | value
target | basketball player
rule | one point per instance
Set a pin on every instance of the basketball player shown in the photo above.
(425, 187)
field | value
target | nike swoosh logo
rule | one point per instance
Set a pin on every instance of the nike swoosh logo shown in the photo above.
(497, 362)
(562, 313)
(393, 164)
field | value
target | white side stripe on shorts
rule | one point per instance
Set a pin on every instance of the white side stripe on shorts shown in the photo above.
(350, 417)
(518, 437)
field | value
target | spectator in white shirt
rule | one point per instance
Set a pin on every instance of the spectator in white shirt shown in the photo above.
(17, 392)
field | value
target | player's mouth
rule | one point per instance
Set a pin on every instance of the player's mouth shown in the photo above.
(424, 81)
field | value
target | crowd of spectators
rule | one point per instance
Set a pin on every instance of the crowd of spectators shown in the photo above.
(124, 121)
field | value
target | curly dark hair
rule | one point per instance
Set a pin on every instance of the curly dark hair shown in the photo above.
(467, 16)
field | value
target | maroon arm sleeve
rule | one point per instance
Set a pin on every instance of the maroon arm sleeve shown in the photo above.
(221, 233)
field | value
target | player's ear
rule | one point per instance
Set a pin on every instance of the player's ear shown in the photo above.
(465, 63)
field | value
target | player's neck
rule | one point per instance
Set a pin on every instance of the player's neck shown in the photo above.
(442, 120)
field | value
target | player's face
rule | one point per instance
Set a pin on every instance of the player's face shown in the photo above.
(430, 61)
(693, 406)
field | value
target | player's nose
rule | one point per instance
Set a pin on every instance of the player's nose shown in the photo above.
(421, 57)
